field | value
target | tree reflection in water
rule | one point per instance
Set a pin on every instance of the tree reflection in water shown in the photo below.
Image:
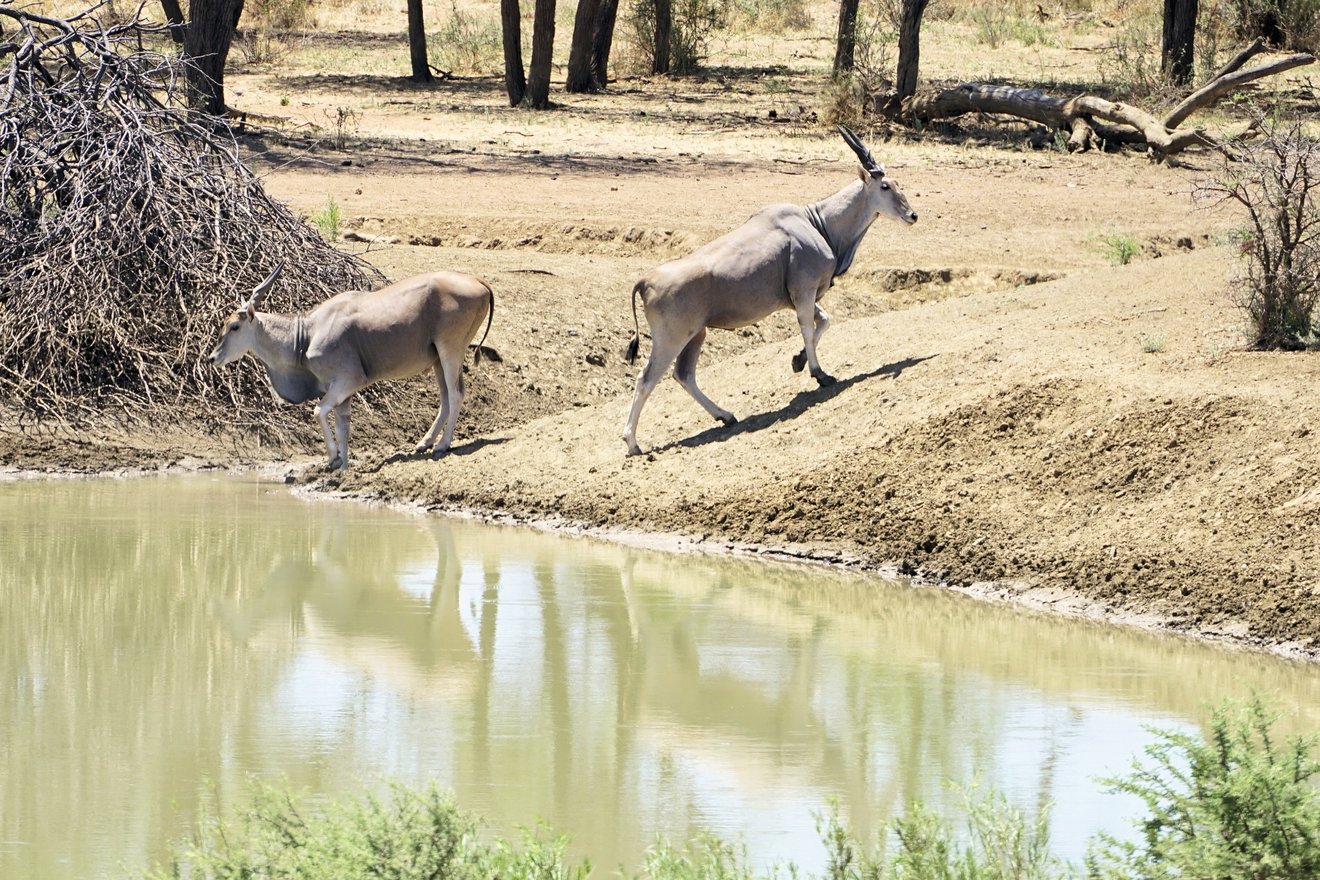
(163, 640)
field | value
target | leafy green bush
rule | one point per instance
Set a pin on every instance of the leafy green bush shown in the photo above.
(1234, 806)
(1119, 248)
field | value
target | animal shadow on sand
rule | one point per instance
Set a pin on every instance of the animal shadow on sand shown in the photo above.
(801, 402)
(467, 448)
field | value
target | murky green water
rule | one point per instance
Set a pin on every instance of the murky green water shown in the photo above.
(163, 641)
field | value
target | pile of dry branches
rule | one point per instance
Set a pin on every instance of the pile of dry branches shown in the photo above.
(129, 226)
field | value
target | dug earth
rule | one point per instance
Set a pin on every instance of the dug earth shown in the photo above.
(1015, 415)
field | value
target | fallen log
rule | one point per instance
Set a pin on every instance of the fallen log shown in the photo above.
(1088, 117)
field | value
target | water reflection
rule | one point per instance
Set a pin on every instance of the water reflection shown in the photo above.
(162, 640)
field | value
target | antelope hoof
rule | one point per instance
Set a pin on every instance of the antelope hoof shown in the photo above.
(729, 419)
(799, 361)
(633, 449)
(421, 448)
(439, 452)
(824, 379)
(336, 464)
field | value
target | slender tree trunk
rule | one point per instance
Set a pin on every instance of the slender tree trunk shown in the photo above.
(664, 23)
(421, 66)
(206, 44)
(543, 44)
(515, 78)
(602, 41)
(845, 48)
(174, 16)
(1178, 47)
(579, 54)
(909, 47)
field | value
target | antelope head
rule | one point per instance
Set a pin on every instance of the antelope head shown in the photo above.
(880, 190)
(238, 334)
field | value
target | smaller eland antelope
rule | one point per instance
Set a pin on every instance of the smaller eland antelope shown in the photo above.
(357, 338)
(783, 257)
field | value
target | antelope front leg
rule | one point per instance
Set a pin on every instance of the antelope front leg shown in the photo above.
(323, 416)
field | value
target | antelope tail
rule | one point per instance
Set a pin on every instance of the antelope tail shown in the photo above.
(491, 353)
(635, 344)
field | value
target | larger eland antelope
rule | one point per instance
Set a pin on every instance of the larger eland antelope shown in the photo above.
(783, 257)
(357, 338)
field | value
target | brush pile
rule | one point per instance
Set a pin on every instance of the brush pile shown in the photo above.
(129, 226)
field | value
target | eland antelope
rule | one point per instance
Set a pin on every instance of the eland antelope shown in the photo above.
(357, 338)
(783, 257)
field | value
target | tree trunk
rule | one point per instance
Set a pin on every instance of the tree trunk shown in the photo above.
(174, 16)
(515, 78)
(579, 77)
(845, 48)
(421, 66)
(664, 25)
(603, 40)
(206, 44)
(1178, 46)
(543, 44)
(909, 47)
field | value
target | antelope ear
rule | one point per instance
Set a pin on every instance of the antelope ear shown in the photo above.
(250, 307)
(863, 173)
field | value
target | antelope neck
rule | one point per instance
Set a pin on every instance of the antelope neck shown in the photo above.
(837, 220)
(286, 337)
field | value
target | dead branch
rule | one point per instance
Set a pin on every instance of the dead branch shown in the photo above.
(1226, 83)
(1084, 116)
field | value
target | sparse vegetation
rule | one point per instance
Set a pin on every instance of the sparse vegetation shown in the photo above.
(466, 43)
(1275, 178)
(773, 16)
(852, 98)
(1287, 24)
(1152, 343)
(343, 125)
(1131, 66)
(328, 219)
(695, 24)
(1119, 248)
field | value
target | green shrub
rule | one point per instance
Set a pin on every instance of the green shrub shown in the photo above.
(1235, 805)
(328, 219)
(1120, 248)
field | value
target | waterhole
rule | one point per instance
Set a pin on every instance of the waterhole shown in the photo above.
(165, 641)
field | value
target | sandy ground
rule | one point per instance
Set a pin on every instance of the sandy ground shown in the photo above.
(1016, 416)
